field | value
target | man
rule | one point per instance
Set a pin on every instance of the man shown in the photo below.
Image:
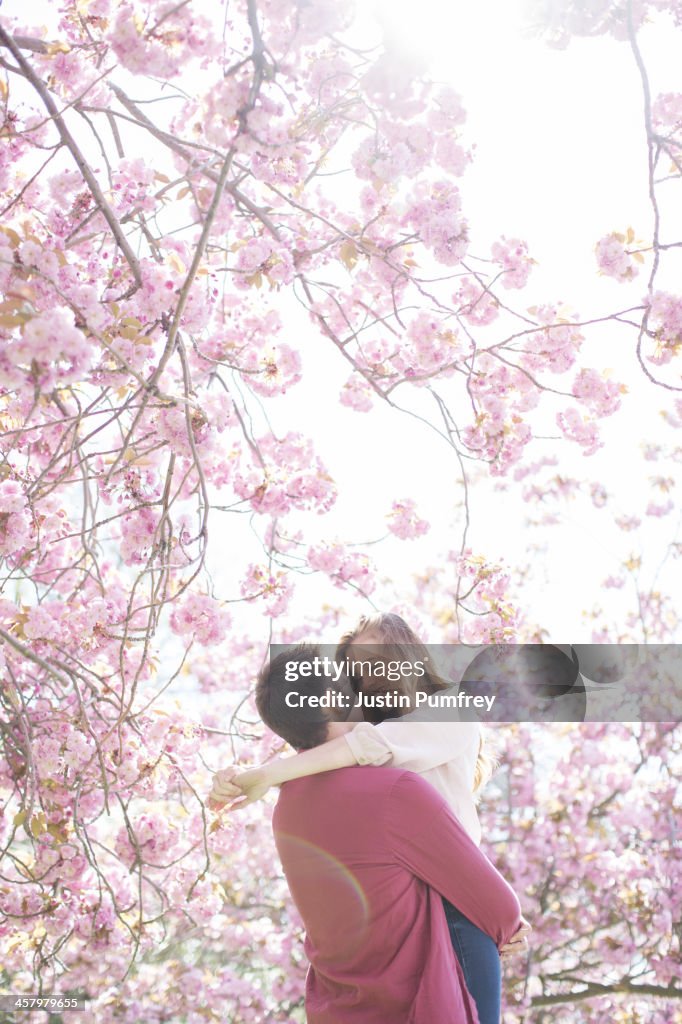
(367, 853)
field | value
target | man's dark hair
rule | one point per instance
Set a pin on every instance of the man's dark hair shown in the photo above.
(302, 727)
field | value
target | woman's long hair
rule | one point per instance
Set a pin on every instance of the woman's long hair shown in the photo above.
(402, 644)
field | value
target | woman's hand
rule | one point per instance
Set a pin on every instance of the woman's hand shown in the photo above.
(223, 789)
(241, 788)
(230, 786)
(253, 784)
(518, 942)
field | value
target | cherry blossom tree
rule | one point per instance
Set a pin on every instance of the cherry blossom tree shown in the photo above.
(186, 187)
(598, 862)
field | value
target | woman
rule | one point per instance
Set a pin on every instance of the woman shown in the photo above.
(449, 754)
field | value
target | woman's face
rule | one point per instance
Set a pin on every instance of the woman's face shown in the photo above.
(370, 646)
(366, 646)
(368, 638)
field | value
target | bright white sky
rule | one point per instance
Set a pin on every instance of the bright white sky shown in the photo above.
(560, 161)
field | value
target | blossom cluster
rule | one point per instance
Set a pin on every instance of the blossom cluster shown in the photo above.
(343, 566)
(404, 522)
(665, 324)
(614, 259)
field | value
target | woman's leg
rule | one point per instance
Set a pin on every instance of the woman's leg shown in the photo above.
(480, 961)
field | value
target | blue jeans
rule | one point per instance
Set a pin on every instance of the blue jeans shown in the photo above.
(480, 961)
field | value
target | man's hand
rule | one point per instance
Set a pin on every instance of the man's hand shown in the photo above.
(230, 786)
(518, 942)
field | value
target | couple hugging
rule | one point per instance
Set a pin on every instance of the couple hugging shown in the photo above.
(376, 827)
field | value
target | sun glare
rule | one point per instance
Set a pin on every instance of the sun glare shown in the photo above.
(447, 35)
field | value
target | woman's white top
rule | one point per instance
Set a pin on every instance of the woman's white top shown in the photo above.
(444, 752)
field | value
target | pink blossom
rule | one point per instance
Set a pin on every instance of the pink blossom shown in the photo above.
(273, 588)
(138, 530)
(289, 476)
(434, 213)
(53, 350)
(512, 255)
(447, 110)
(183, 35)
(77, 750)
(357, 394)
(288, 165)
(478, 306)
(599, 495)
(273, 370)
(41, 623)
(555, 346)
(261, 257)
(666, 112)
(202, 617)
(343, 566)
(613, 258)
(12, 496)
(434, 347)
(329, 76)
(387, 82)
(600, 395)
(62, 186)
(132, 186)
(628, 523)
(665, 322)
(581, 429)
(15, 518)
(660, 509)
(404, 522)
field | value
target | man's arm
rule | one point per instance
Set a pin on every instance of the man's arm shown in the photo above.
(427, 839)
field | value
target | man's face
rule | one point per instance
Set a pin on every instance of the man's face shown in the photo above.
(341, 708)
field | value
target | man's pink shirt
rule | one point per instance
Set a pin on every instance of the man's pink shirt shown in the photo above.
(367, 853)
